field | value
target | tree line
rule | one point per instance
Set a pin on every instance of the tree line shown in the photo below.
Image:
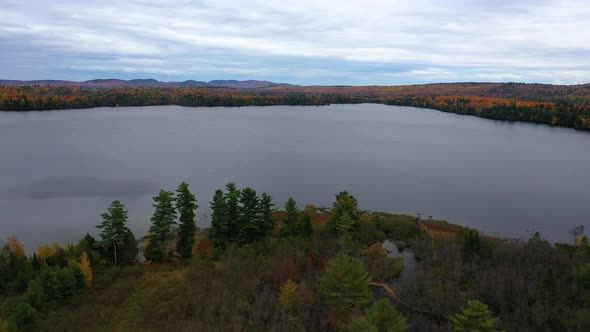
(555, 106)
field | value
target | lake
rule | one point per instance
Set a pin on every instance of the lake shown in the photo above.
(60, 170)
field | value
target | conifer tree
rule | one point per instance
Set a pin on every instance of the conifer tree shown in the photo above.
(232, 212)
(249, 218)
(266, 210)
(471, 244)
(129, 252)
(305, 228)
(474, 317)
(218, 230)
(344, 228)
(186, 204)
(384, 317)
(114, 231)
(344, 204)
(290, 223)
(345, 283)
(161, 230)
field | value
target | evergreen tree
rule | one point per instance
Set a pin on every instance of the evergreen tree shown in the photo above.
(290, 224)
(218, 230)
(475, 317)
(114, 231)
(249, 221)
(471, 244)
(344, 228)
(344, 204)
(161, 229)
(384, 318)
(232, 212)
(35, 262)
(186, 204)
(129, 252)
(305, 228)
(345, 284)
(266, 210)
(548, 288)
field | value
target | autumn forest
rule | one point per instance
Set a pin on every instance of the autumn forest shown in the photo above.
(555, 105)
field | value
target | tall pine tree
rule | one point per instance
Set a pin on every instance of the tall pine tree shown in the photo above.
(345, 283)
(186, 204)
(305, 224)
(218, 230)
(161, 230)
(344, 229)
(114, 232)
(232, 208)
(344, 204)
(266, 210)
(249, 221)
(290, 223)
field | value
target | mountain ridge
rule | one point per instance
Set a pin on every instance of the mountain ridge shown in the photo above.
(149, 82)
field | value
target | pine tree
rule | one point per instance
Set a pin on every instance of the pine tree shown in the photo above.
(289, 227)
(345, 284)
(232, 211)
(305, 228)
(344, 228)
(475, 317)
(249, 220)
(471, 244)
(161, 229)
(218, 230)
(345, 204)
(186, 204)
(114, 231)
(35, 262)
(266, 210)
(384, 317)
(129, 251)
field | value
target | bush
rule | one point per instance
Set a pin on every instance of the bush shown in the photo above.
(369, 233)
(398, 227)
(59, 284)
(385, 268)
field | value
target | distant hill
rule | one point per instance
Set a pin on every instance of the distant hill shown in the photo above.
(117, 83)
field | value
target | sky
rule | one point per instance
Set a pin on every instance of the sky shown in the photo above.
(307, 42)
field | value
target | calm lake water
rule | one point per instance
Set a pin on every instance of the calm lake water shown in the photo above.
(60, 170)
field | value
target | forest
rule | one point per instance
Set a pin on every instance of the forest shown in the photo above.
(261, 268)
(555, 105)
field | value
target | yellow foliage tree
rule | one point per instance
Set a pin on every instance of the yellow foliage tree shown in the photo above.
(289, 295)
(86, 269)
(47, 251)
(16, 247)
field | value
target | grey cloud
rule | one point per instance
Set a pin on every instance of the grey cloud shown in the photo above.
(545, 41)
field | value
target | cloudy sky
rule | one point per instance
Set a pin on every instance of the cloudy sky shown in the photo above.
(301, 42)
